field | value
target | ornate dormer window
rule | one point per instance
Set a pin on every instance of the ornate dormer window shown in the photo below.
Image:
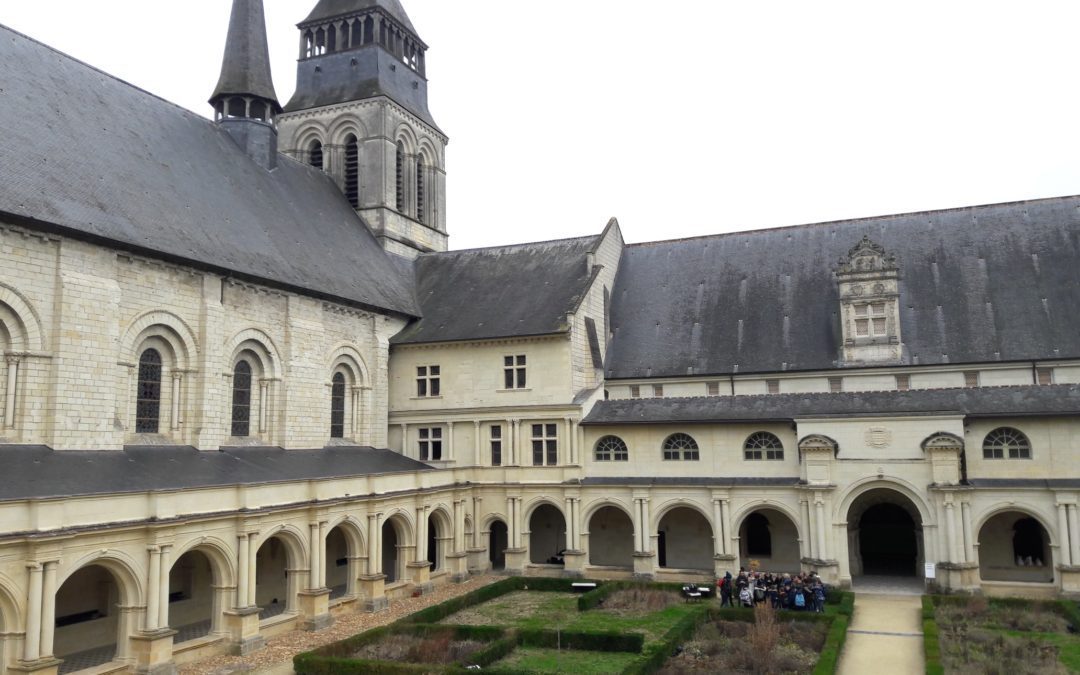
(869, 281)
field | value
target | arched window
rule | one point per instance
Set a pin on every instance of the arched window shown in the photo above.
(612, 449)
(337, 407)
(352, 171)
(148, 397)
(681, 447)
(315, 155)
(420, 214)
(399, 176)
(241, 399)
(763, 445)
(1006, 443)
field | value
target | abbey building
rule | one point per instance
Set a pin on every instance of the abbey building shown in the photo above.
(247, 387)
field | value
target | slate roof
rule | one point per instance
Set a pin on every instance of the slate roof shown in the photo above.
(245, 68)
(329, 9)
(508, 291)
(90, 156)
(980, 284)
(38, 472)
(1052, 400)
(692, 481)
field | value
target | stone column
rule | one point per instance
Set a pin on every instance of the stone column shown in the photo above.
(242, 580)
(459, 526)
(729, 534)
(253, 568)
(808, 527)
(950, 532)
(476, 521)
(1074, 534)
(372, 545)
(165, 560)
(421, 531)
(177, 379)
(718, 528)
(637, 526)
(819, 514)
(515, 443)
(9, 399)
(1064, 550)
(322, 549)
(264, 395)
(450, 454)
(405, 439)
(32, 640)
(571, 525)
(315, 558)
(354, 417)
(48, 609)
(476, 445)
(969, 536)
(568, 457)
(152, 595)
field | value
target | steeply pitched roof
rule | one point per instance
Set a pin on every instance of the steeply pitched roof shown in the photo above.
(1024, 401)
(38, 472)
(509, 291)
(92, 157)
(980, 284)
(245, 68)
(329, 9)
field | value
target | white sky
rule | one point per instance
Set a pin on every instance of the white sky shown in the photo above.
(683, 117)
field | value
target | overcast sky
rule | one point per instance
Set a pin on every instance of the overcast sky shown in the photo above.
(681, 118)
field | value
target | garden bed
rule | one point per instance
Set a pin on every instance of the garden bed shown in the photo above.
(1008, 636)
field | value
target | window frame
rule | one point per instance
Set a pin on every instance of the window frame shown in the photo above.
(495, 441)
(545, 443)
(997, 449)
(867, 315)
(760, 452)
(515, 372)
(153, 403)
(241, 423)
(673, 452)
(429, 381)
(614, 447)
(338, 383)
(430, 444)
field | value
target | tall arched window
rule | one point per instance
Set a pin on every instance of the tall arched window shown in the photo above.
(352, 171)
(315, 155)
(148, 397)
(337, 407)
(399, 176)
(420, 205)
(241, 399)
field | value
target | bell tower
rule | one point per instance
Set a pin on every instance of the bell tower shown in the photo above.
(360, 113)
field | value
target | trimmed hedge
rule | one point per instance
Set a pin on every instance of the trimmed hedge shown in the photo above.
(439, 612)
(657, 654)
(591, 641)
(834, 644)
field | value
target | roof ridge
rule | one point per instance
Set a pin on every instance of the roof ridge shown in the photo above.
(519, 245)
(94, 68)
(841, 393)
(844, 221)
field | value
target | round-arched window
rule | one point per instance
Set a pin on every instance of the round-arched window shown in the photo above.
(337, 406)
(241, 401)
(763, 446)
(612, 449)
(1006, 443)
(148, 394)
(681, 447)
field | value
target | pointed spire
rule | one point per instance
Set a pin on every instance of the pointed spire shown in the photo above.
(245, 70)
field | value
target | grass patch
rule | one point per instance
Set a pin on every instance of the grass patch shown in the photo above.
(533, 660)
(520, 609)
(435, 649)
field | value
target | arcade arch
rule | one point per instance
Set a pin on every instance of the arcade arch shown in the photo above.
(885, 534)
(1015, 546)
(547, 535)
(611, 538)
(770, 537)
(685, 540)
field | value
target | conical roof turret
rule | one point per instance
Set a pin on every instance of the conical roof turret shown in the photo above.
(245, 69)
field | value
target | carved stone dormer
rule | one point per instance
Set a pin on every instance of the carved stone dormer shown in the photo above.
(869, 281)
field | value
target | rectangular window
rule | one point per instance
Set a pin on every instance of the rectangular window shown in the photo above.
(496, 445)
(971, 378)
(870, 320)
(773, 386)
(427, 381)
(431, 444)
(635, 391)
(545, 444)
(514, 372)
(658, 390)
(713, 388)
(903, 382)
(836, 384)
(1045, 376)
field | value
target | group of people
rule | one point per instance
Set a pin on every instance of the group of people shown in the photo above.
(802, 592)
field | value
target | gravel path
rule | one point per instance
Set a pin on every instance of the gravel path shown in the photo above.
(282, 649)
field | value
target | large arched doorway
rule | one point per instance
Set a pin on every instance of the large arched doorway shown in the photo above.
(90, 626)
(194, 609)
(770, 539)
(498, 541)
(884, 535)
(547, 535)
(685, 540)
(611, 538)
(1013, 546)
(394, 535)
(275, 588)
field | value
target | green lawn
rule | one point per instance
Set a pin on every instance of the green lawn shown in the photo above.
(566, 661)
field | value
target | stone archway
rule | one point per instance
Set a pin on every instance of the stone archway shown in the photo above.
(1014, 546)
(771, 538)
(498, 542)
(90, 622)
(611, 538)
(275, 586)
(685, 540)
(885, 535)
(194, 603)
(547, 535)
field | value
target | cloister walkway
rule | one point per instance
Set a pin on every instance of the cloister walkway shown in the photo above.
(885, 636)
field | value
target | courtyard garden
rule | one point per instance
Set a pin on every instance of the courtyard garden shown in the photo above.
(999, 636)
(537, 625)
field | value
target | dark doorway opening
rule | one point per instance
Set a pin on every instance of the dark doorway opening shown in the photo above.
(661, 545)
(497, 544)
(887, 541)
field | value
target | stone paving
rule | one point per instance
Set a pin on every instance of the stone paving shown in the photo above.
(885, 636)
